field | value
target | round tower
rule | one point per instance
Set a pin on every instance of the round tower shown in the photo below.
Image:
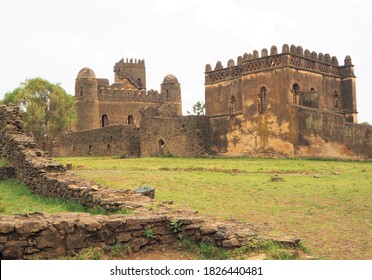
(171, 90)
(87, 100)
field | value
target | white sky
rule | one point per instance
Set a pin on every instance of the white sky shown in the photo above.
(55, 39)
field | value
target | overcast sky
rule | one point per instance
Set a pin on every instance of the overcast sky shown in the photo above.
(55, 39)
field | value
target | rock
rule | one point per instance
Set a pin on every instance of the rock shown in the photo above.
(6, 227)
(231, 243)
(14, 250)
(30, 227)
(123, 237)
(49, 238)
(206, 230)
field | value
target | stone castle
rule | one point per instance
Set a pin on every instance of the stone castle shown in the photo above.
(289, 103)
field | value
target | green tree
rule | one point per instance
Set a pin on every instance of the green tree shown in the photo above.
(198, 108)
(48, 110)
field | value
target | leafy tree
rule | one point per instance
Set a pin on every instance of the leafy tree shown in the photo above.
(9, 97)
(48, 110)
(198, 108)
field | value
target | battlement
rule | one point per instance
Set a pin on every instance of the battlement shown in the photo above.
(132, 62)
(291, 56)
(132, 70)
(114, 93)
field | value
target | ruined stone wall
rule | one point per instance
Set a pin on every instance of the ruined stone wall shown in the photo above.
(323, 134)
(185, 136)
(42, 175)
(106, 141)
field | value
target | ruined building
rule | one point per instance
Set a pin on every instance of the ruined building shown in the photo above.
(289, 103)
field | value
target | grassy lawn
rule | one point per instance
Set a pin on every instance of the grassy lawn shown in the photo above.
(325, 203)
(16, 198)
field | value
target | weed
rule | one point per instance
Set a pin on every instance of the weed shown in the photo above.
(119, 250)
(176, 226)
(149, 233)
(89, 254)
(209, 251)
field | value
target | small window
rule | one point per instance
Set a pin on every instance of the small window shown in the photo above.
(90, 150)
(296, 94)
(81, 91)
(335, 99)
(232, 105)
(161, 144)
(108, 149)
(130, 119)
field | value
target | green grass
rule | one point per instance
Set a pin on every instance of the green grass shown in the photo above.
(16, 198)
(3, 163)
(326, 203)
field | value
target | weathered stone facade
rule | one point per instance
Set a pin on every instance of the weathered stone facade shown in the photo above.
(293, 103)
(110, 140)
(100, 104)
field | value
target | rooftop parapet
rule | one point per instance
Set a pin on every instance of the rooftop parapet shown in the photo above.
(293, 56)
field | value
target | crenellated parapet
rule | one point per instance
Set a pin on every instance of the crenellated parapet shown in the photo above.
(112, 93)
(290, 56)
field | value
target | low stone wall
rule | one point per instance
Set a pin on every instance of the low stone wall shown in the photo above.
(106, 141)
(48, 236)
(325, 134)
(42, 175)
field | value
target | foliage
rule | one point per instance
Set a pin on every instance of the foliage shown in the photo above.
(198, 108)
(48, 110)
(149, 233)
(209, 251)
(176, 226)
(10, 97)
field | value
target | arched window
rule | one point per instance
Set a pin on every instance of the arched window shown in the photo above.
(130, 119)
(81, 91)
(108, 149)
(90, 150)
(104, 120)
(335, 99)
(296, 94)
(161, 144)
(263, 100)
(232, 105)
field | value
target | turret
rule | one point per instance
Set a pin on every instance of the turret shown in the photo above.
(348, 96)
(87, 100)
(171, 89)
(132, 71)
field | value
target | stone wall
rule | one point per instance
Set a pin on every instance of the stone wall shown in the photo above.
(323, 134)
(184, 136)
(42, 175)
(47, 236)
(106, 141)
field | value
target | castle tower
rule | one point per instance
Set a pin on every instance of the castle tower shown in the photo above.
(87, 100)
(349, 91)
(171, 89)
(132, 72)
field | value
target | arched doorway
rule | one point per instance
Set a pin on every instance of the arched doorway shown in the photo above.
(104, 120)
